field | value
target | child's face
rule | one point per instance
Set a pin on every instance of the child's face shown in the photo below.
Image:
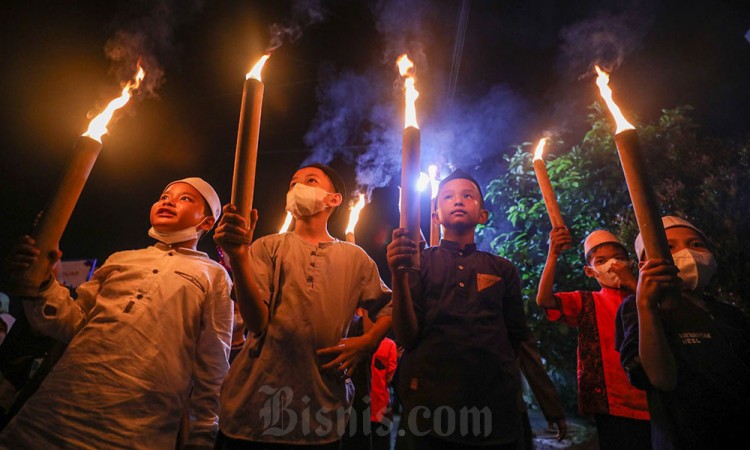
(680, 238)
(180, 206)
(459, 204)
(314, 177)
(601, 255)
(605, 252)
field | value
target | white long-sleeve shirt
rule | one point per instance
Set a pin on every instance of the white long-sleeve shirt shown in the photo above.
(152, 325)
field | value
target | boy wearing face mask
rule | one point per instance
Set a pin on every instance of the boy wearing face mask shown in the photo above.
(620, 410)
(690, 352)
(297, 293)
(148, 334)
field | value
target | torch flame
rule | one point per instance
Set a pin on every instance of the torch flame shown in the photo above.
(423, 181)
(606, 92)
(432, 171)
(287, 222)
(539, 152)
(354, 214)
(406, 69)
(98, 126)
(257, 68)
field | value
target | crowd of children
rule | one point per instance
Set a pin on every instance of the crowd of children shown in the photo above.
(147, 363)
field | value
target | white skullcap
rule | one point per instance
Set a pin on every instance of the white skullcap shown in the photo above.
(597, 238)
(205, 189)
(668, 222)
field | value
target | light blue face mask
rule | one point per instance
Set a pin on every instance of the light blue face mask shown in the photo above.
(175, 237)
(605, 277)
(696, 268)
(303, 200)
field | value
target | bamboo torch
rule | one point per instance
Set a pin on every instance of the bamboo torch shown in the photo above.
(542, 177)
(85, 152)
(410, 165)
(642, 194)
(433, 173)
(248, 131)
(354, 218)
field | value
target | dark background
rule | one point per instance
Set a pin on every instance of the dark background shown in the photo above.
(518, 69)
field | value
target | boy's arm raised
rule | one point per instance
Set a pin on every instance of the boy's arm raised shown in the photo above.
(399, 251)
(234, 235)
(657, 360)
(49, 308)
(559, 240)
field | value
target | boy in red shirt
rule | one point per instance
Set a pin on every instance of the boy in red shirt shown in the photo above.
(620, 410)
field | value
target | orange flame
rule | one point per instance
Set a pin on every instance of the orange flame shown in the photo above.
(406, 69)
(432, 171)
(354, 213)
(257, 68)
(98, 125)
(539, 152)
(287, 223)
(606, 92)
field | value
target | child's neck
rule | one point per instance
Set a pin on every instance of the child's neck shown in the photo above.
(461, 237)
(313, 229)
(190, 245)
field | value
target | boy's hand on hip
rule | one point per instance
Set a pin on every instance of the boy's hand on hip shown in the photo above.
(348, 354)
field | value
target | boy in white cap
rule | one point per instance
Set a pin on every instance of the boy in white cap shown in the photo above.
(152, 326)
(620, 410)
(690, 352)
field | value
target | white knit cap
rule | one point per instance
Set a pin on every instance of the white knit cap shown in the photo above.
(597, 238)
(205, 189)
(668, 222)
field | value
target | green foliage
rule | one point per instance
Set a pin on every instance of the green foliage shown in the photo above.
(704, 180)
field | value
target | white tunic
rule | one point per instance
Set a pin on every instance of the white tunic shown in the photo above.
(151, 325)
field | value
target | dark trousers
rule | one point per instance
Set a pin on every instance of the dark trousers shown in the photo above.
(224, 442)
(622, 433)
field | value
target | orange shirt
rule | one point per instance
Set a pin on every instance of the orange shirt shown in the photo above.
(603, 386)
(384, 363)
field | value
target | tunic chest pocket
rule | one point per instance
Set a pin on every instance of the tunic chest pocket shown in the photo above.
(195, 281)
(490, 290)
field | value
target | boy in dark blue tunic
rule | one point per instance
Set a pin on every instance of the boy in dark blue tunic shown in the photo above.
(460, 319)
(691, 353)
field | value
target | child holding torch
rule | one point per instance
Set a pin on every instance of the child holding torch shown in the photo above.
(690, 352)
(149, 333)
(297, 292)
(460, 319)
(620, 411)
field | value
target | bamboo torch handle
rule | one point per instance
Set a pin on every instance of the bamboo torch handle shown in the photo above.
(54, 220)
(246, 152)
(410, 166)
(643, 197)
(550, 200)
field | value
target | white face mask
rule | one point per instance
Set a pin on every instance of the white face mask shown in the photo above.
(303, 200)
(174, 237)
(696, 268)
(607, 278)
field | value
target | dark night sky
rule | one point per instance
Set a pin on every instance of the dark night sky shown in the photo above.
(330, 94)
